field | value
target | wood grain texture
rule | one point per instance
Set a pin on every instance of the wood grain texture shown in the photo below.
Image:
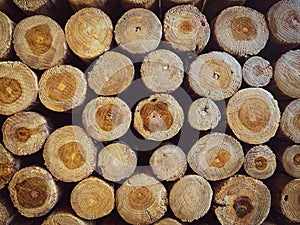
(291, 160)
(6, 30)
(62, 217)
(129, 4)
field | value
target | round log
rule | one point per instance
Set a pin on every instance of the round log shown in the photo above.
(204, 114)
(241, 31)
(6, 34)
(33, 191)
(260, 162)
(62, 217)
(40, 42)
(242, 200)
(289, 203)
(167, 221)
(186, 28)
(291, 160)
(158, 117)
(257, 72)
(168, 162)
(106, 118)
(18, 87)
(216, 156)
(171, 3)
(34, 7)
(92, 198)
(129, 4)
(4, 215)
(253, 115)
(69, 154)
(216, 75)
(25, 133)
(89, 33)
(111, 74)
(80, 4)
(141, 200)
(138, 31)
(284, 22)
(190, 198)
(62, 88)
(117, 161)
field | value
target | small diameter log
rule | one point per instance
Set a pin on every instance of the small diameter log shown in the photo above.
(62, 88)
(253, 115)
(18, 87)
(69, 154)
(80, 4)
(62, 217)
(141, 200)
(25, 133)
(92, 198)
(291, 160)
(40, 42)
(290, 121)
(9, 165)
(159, 117)
(129, 4)
(242, 200)
(260, 162)
(216, 75)
(33, 191)
(116, 162)
(4, 215)
(241, 31)
(204, 114)
(284, 22)
(106, 118)
(167, 221)
(35, 7)
(289, 202)
(138, 31)
(89, 33)
(286, 73)
(168, 163)
(162, 71)
(190, 198)
(186, 28)
(216, 156)
(257, 72)
(111, 74)
(6, 34)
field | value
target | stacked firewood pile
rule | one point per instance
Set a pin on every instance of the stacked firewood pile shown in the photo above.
(142, 112)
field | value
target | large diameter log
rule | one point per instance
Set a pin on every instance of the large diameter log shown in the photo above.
(106, 118)
(70, 154)
(257, 72)
(286, 73)
(129, 4)
(62, 217)
(18, 87)
(117, 161)
(159, 117)
(25, 133)
(162, 71)
(242, 200)
(111, 74)
(168, 162)
(216, 156)
(62, 88)
(6, 33)
(33, 191)
(167, 221)
(39, 41)
(92, 198)
(291, 160)
(253, 115)
(89, 33)
(190, 198)
(138, 31)
(290, 121)
(284, 22)
(241, 31)
(186, 28)
(204, 114)
(260, 162)
(141, 200)
(216, 75)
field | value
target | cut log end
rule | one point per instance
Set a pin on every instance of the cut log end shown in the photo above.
(80, 4)
(216, 156)
(70, 154)
(4, 215)
(6, 31)
(106, 118)
(92, 198)
(186, 28)
(291, 160)
(158, 117)
(167, 221)
(62, 217)
(129, 4)
(31, 6)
